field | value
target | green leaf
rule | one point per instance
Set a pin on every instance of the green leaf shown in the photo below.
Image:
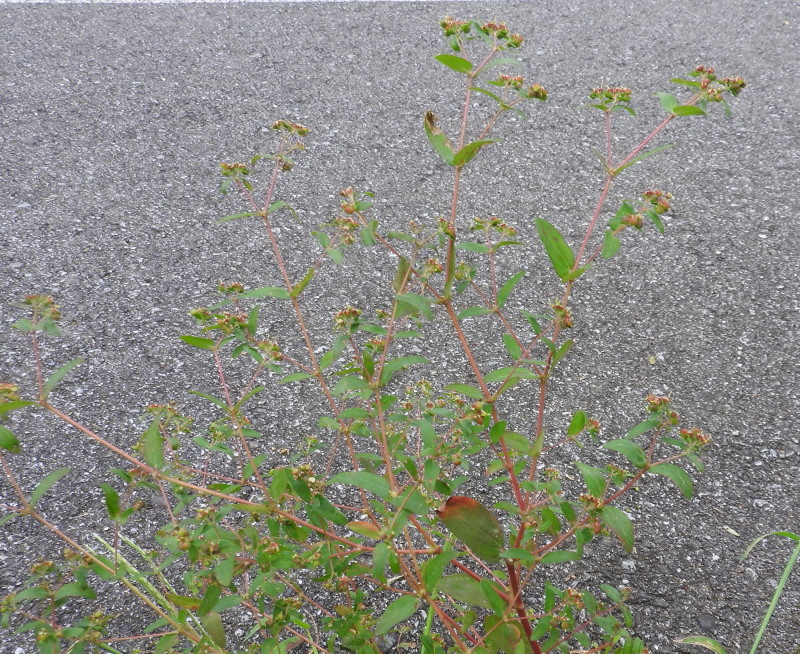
(496, 603)
(559, 354)
(676, 474)
(210, 598)
(643, 427)
(688, 110)
(401, 609)
(505, 289)
(643, 156)
(212, 623)
(300, 286)
(236, 216)
(503, 636)
(152, 445)
(331, 356)
(400, 363)
(512, 347)
(702, 641)
(369, 481)
(509, 373)
(223, 571)
(112, 501)
(558, 251)
(59, 374)
(46, 484)
(611, 244)
(594, 478)
(293, 377)
(619, 523)
(468, 152)
(8, 441)
(577, 423)
(475, 526)
(410, 303)
(465, 389)
(198, 341)
(401, 276)
(165, 643)
(668, 101)
(5, 407)
(458, 64)
(75, 589)
(656, 220)
(471, 312)
(629, 450)
(463, 588)
(268, 291)
(472, 247)
(433, 569)
(438, 139)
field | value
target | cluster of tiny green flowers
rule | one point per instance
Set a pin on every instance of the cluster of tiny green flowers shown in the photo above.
(230, 288)
(660, 404)
(454, 30)
(289, 126)
(659, 201)
(9, 392)
(517, 83)
(347, 319)
(234, 169)
(346, 228)
(348, 205)
(44, 306)
(270, 349)
(430, 267)
(695, 437)
(172, 420)
(611, 94)
(563, 315)
(713, 88)
(495, 224)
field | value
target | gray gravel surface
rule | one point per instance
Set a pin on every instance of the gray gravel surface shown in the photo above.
(113, 119)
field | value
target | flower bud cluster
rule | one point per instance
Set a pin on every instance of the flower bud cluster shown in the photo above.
(695, 437)
(658, 201)
(270, 349)
(234, 169)
(494, 224)
(346, 320)
(292, 128)
(346, 228)
(431, 267)
(515, 82)
(611, 94)
(44, 307)
(563, 316)
(230, 287)
(171, 420)
(452, 27)
(8, 392)
(714, 88)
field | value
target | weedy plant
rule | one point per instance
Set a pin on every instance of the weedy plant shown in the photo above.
(367, 541)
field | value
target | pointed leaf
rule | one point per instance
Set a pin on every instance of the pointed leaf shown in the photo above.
(369, 481)
(112, 501)
(400, 363)
(433, 568)
(643, 156)
(401, 609)
(236, 216)
(458, 64)
(594, 478)
(438, 139)
(46, 484)
(688, 110)
(577, 423)
(300, 286)
(409, 303)
(702, 641)
(558, 251)
(471, 312)
(212, 623)
(668, 101)
(475, 526)
(268, 291)
(629, 450)
(466, 389)
(401, 276)
(463, 588)
(620, 524)
(512, 347)
(8, 441)
(59, 374)
(560, 556)
(468, 152)
(505, 289)
(152, 445)
(676, 474)
(611, 244)
(199, 341)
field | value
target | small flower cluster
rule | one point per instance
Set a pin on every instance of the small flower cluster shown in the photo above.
(348, 205)
(172, 420)
(515, 82)
(454, 30)
(658, 201)
(611, 94)
(563, 316)
(234, 169)
(44, 306)
(233, 288)
(500, 32)
(270, 349)
(660, 404)
(714, 92)
(346, 228)
(346, 320)
(8, 392)
(695, 437)
(495, 224)
(452, 27)
(292, 128)
(430, 267)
